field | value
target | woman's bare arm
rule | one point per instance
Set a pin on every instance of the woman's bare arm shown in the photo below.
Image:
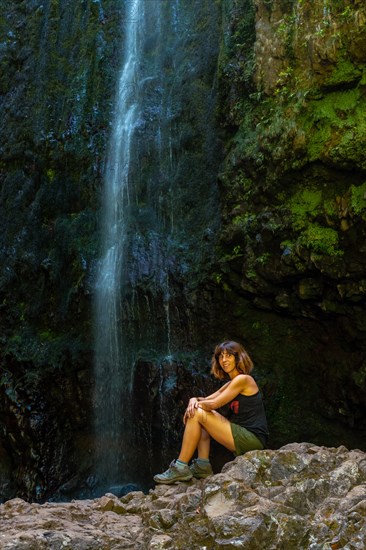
(243, 383)
(214, 395)
(194, 401)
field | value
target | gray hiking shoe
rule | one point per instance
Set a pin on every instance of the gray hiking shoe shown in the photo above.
(173, 474)
(200, 472)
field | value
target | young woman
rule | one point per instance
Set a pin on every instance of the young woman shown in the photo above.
(245, 431)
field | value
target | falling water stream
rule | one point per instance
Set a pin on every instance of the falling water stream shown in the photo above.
(140, 221)
(112, 375)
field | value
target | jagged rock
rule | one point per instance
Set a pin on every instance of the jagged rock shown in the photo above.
(301, 496)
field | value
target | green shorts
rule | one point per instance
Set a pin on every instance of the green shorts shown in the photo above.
(244, 440)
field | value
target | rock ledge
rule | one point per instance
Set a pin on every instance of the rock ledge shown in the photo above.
(300, 496)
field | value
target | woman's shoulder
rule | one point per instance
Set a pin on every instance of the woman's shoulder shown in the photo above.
(242, 380)
(247, 383)
(244, 377)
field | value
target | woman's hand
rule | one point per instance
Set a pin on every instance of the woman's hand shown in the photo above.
(191, 409)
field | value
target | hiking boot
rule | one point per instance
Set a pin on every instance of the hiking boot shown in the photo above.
(173, 474)
(200, 472)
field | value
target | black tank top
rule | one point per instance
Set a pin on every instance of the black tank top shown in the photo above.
(248, 411)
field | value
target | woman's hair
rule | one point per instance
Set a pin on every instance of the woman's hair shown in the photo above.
(243, 362)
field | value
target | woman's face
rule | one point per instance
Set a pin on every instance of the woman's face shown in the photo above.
(227, 361)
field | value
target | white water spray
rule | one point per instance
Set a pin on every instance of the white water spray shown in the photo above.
(113, 372)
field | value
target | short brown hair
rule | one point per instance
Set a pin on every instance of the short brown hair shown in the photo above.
(243, 362)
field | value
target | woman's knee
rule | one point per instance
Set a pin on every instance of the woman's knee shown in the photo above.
(203, 417)
(199, 416)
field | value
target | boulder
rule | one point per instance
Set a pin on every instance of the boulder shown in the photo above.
(299, 496)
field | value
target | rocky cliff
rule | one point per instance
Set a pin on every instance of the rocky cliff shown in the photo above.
(301, 496)
(281, 267)
(292, 79)
(58, 65)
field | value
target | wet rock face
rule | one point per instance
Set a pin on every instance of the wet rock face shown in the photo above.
(294, 179)
(44, 430)
(55, 102)
(294, 206)
(327, 48)
(301, 496)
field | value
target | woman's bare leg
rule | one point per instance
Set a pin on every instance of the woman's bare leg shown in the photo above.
(216, 425)
(203, 446)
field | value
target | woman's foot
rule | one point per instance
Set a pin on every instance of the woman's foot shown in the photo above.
(199, 470)
(174, 473)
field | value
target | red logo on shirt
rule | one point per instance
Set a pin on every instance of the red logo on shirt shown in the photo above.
(234, 406)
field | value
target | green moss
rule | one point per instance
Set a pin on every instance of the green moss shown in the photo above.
(307, 207)
(332, 103)
(323, 240)
(316, 145)
(358, 199)
(51, 174)
(344, 72)
(263, 258)
(350, 150)
(334, 124)
(363, 78)
(304, 205)
(329, 206)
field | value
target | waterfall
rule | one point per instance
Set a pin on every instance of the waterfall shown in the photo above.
(152, 220)
(112, 361)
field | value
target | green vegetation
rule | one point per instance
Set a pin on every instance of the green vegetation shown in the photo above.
(358, 200)
(305, 110)
(304, 205)
(344, 72)
(322, 240)
(328, 122)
